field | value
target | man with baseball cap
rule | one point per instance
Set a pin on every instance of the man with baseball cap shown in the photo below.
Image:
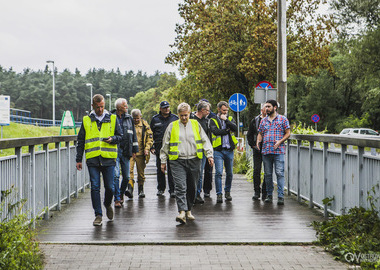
(158, 125)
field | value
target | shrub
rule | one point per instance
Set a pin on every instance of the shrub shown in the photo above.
(18, 249)
(354, 237)
(240, 162)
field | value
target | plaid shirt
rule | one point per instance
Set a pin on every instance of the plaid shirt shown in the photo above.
(272, 132)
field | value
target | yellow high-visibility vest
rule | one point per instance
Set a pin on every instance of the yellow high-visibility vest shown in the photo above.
(174, 140)
(217, 140)
(94, 145)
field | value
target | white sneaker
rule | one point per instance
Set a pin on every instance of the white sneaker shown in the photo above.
(189, 216)
(181, 217)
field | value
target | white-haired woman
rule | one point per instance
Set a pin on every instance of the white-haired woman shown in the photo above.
(183, 145)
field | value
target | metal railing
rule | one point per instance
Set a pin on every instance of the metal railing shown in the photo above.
(344, 170)
(44, 178)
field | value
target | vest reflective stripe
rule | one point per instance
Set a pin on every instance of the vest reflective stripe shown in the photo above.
(174, 140)
(94, 145)
(217, 140)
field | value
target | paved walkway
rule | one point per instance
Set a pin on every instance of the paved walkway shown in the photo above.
(145, 235)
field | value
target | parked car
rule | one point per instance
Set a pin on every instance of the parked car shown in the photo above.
(359, 132)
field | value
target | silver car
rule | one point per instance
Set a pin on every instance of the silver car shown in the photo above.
(359, 132)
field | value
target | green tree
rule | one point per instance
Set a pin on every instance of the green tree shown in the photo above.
(229, 46)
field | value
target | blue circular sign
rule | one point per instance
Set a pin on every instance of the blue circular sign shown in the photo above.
(237, 102)
(315, 118)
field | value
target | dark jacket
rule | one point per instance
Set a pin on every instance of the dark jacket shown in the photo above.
(253, 131)
(158, 126)
(99, 160)
(230, 127)
(129, 142)
(204, 123)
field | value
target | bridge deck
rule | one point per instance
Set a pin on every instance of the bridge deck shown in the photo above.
(152, 220)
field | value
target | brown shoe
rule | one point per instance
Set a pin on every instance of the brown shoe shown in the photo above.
(117, 204)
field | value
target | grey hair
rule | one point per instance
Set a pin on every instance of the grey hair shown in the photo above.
(203, 105)
(120, 101)
(183, 107)
(135, 112)
(222, 103)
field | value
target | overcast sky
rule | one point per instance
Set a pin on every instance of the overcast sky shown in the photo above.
(84, 34)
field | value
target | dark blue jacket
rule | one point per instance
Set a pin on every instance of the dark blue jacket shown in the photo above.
(97, 161)
(129, 142)
(158, 125)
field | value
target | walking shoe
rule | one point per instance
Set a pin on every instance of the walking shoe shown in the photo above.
(109, 210)
(141, 192)
(121, 199)
(219, 198)
(280, 201)
(172, 195)
(117, 204)
(189, 216)
(207, 194)
(256, 197)
(228, 196)
(263, 196)
(199, 199)
(160, 193)
(181, 217)
(129, 191)
(269, 199)
(97, 221)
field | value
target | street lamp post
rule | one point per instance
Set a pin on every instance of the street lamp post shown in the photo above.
(110, 100)
(90, 84)
(52, 62)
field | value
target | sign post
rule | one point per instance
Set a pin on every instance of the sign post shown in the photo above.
(67, 122)
(237, 102)
(5, 108)
(315, 118)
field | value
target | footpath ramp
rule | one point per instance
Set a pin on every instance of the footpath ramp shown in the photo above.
(152, 220)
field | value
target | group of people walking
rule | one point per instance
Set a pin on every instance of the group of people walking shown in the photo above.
(186, 146)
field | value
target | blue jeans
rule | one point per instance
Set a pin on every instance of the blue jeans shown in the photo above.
(107, 173)
(278, 161)
(123, 163)
(226, 156)
(203, 164)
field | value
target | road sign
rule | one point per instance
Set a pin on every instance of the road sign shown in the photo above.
(237, 102)
(5, 102)
(315, 118)
(264, 84)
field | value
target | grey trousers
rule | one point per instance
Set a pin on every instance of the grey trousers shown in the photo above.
(185, 174)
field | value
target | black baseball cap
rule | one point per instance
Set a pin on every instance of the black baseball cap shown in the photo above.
(164, 104)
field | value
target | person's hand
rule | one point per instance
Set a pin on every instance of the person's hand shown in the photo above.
(277, 144)
(79, 166)
(134, 155)
(109, 140)
(211, 161)
(146, 152)
(223, 116)
(163, 167)
(153, 151)
(258, 146)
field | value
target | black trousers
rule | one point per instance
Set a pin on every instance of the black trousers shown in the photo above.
(161, 179)
(257, 164)
(207, 179)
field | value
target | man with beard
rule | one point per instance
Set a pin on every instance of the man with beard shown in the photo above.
(274, 130)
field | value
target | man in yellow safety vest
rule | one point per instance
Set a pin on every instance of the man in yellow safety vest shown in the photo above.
(98, 138)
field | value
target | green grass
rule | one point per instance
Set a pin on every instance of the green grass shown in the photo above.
(15, 130)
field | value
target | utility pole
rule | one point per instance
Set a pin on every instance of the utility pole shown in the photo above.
(281, 58)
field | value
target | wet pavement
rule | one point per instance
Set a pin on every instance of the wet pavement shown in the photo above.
(241, 234)
(152, 220)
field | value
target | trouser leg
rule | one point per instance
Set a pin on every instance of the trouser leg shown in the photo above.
(193, 167)
(108, 177)
(179, 178)
(140, 165)
(94, 173)
(257, 161)
(207, 181)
